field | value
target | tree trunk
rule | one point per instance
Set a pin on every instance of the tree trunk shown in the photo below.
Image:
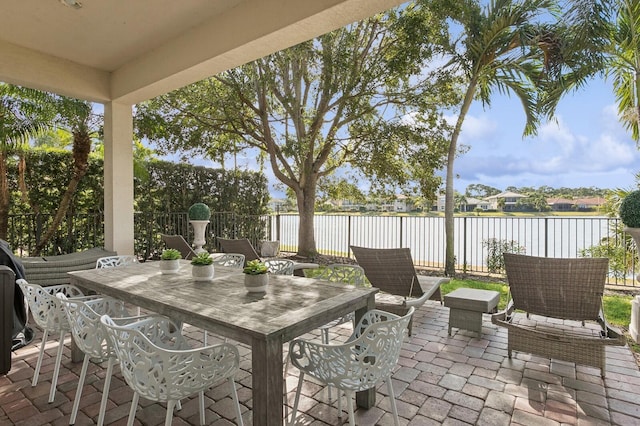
(450, 255)
(4, 196)
(81, 149)
(306, 198)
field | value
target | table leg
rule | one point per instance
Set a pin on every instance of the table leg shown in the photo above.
(267, 376)
(366, 399)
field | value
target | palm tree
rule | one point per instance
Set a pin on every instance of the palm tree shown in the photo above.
(498, 54)
(77, 118)
(23, 114)
(625, 64)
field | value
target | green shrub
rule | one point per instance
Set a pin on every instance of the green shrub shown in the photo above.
(630, 209)
(495, 249)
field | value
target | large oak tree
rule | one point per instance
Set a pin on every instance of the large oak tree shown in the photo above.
(342, 99)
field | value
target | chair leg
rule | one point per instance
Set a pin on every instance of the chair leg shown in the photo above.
(76, 401)
(56, 370)
(169, 417)
(105, 391)
(325, 340)
(45, 336)
(394, 408)
(234, 395)
(297, 399)
(352, 420)
(134, 406)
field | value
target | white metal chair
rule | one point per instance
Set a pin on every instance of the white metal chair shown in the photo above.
(50, 317)
(337, 272)
(280, 266)
(169, 371)
(115, 261)
(367, 357)
(230, 260)
(90, 337)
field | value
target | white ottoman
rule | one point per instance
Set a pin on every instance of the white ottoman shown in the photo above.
(466, 306)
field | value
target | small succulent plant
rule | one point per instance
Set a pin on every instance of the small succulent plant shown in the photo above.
(170, 254)
(255, 267)
(202, 258)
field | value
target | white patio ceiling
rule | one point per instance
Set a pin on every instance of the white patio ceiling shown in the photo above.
(132, 50)
(122, 52)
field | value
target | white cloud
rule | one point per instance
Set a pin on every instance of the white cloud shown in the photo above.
(474, 128)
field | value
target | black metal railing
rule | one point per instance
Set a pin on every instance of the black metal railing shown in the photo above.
(478, 238)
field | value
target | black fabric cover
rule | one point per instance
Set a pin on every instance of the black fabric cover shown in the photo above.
(22, 334)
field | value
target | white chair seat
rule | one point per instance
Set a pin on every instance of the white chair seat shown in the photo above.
(84, 315)
(50, 317)
(158, 365)
(367, 357)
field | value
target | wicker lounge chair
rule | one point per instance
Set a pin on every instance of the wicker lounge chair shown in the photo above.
(566, 289)
(241, 246)
(179, 243)
(392, 271)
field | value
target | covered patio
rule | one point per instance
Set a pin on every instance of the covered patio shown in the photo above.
(463, 379)
(120, 53)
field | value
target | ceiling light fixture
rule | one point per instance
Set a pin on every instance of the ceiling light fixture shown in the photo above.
(75, 4)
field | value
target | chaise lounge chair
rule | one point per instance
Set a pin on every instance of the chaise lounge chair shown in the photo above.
(179, 243)
(561, 289)
(393, 272)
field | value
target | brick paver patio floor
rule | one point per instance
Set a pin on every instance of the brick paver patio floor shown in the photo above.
(463, 379)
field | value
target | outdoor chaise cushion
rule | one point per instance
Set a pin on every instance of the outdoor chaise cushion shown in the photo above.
(52, 270)
(562, 289)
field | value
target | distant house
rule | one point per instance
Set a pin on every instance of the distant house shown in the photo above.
(440, 203)
(474, 203)
(589, 203)
(510, 201)
(579, 204)
(402, 203)
(558, 204)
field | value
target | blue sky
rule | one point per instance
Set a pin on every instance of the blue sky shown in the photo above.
(586, 146)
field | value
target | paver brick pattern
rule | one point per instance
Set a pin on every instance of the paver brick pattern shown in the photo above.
(459, 380)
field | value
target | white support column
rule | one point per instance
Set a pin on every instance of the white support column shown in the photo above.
(118, 177)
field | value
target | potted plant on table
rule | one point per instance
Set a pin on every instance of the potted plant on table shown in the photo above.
(169, 261)
(630, 216)
(256, 278)
(202, 267)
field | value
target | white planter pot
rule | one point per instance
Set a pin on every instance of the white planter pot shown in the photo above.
(202, 272)
(256, 283)
(169, 266)
(199, 228)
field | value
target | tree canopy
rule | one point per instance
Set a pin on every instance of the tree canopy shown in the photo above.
(361, 96)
